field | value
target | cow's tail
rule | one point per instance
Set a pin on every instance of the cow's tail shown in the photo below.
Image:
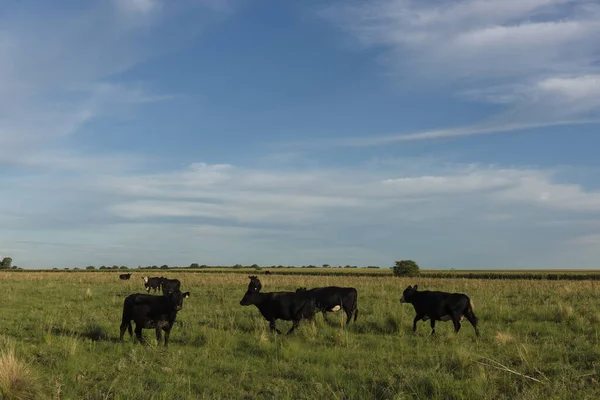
(126, 318)
(355, 305)
(471, 315)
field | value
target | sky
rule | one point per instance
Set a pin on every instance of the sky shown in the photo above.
(459, 134)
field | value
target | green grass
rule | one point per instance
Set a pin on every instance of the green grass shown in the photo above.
(63, 329)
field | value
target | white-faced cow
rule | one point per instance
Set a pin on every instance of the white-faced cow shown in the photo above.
(152, 283)
(334, 298)
(439, 306)
(151, 312)
(288, 306)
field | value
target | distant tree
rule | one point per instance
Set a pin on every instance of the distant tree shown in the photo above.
(102, 267)
(6, 263)
(325, 265)
(124, 267)
(256, 267)
(164, 266)
(406, 268)
(91, 267)
(204, 266)
(115, 267)
(236, 266)
(194, 265)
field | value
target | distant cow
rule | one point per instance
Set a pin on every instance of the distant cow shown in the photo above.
(151, 312)
(334, 298)
(169, 285)
(152, 283)
(439, 306)
(288, 306)
(125, 276)
(267, 272)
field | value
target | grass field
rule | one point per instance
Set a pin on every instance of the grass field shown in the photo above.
(59, 331)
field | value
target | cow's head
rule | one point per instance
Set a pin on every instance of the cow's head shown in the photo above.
(252, 293)
(177, 299)
(408, 294)
(145, 279)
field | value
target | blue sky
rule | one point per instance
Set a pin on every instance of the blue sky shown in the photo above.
(459, 134)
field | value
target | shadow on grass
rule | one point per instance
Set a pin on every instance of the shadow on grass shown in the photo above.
(93, 332)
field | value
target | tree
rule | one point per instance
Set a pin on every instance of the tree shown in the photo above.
(91, 267)
(6, 263)
(164, 266)
(194, 265)
(406, 268)
(325, 265)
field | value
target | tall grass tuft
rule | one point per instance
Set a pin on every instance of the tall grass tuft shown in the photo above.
(17, 381)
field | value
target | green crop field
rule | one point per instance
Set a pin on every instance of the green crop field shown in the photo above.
(540, 339)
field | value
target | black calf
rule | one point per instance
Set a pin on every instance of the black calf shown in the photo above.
(288, 306)
(334, 298)
(440, 306)
(151, 312)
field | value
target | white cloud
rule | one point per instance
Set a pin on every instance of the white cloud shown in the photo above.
(538, 58)
(366, 214)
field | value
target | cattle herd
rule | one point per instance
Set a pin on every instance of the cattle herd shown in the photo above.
(159, 312)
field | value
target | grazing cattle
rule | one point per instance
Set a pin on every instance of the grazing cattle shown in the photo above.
(267, 272)
(152, 283)
(439, 306)
(151, 312)
(334, 298)
(288, 306)
(169, 285)
(125, 276)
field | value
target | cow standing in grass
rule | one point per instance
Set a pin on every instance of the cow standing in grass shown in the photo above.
(334, 298)
(439, 306)
(169, 285)
(125, 276)
(151, 312)
(152, 283)
(288, 306)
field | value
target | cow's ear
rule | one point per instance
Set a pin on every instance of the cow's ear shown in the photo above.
(415, 287)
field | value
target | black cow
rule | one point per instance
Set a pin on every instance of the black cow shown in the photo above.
(288, 306)
(151, 312)
(125, 276)
(169, 285)
(152, 283)
(267, 272)
(439, 306)
(334, 298)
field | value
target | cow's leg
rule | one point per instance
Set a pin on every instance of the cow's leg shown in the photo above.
(273, 326)
(417, 317)
(138, 333)
(158, 334)
(456, 321)
(432, 326)
(167, 333)
(348, 315)
(123, 329)
(294, 326)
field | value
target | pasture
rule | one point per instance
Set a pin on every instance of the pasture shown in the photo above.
(59, 340)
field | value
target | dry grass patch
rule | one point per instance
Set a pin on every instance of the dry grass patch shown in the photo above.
(17, 382)
(504, 338)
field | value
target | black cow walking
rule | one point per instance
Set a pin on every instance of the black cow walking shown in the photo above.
(169, 285)
(152, 283)
(439, 306)
(288, 306)
(151, 312)
(125, 276)
(334, 298)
